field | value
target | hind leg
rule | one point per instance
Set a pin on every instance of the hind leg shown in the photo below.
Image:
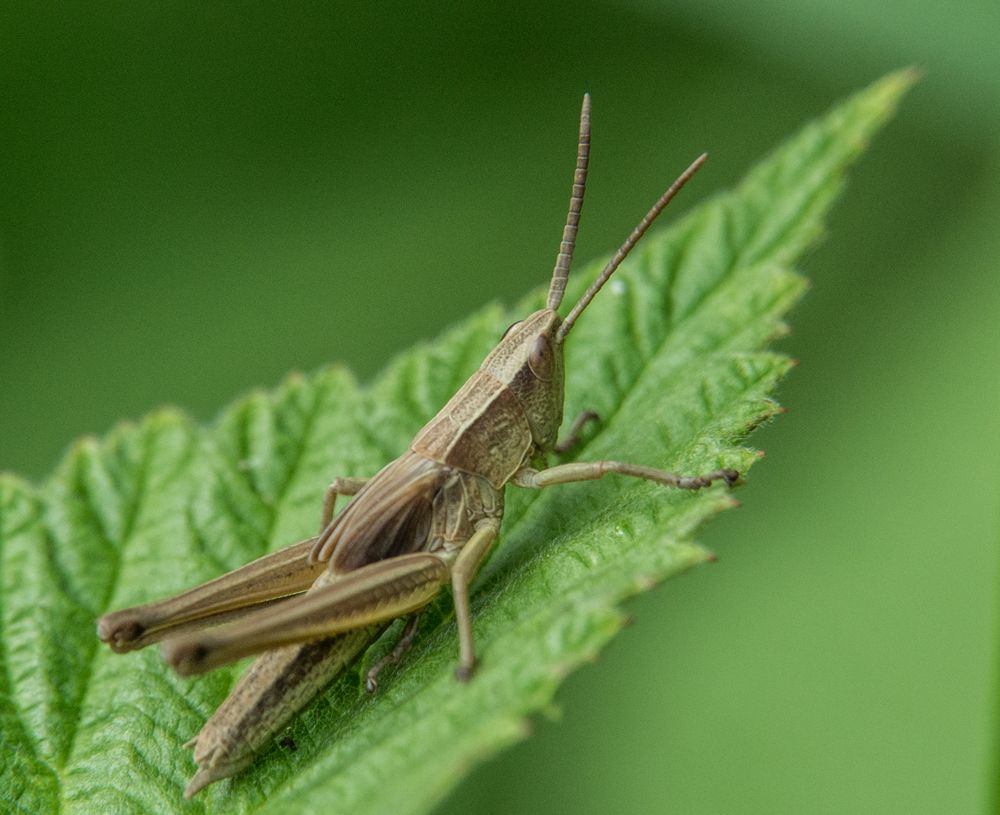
(280, 574)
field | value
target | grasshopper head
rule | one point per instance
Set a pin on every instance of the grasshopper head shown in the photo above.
(529, 361)
(529, 358)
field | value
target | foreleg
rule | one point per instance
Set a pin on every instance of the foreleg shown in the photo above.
(573, 437)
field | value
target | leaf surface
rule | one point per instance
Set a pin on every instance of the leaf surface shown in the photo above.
(672, 355)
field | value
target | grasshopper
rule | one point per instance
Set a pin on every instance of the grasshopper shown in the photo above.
(426, 519)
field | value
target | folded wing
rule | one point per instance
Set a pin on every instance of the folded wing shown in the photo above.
(390, 516)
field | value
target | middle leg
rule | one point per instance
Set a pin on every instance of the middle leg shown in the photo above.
(465, 569)
(395, 655)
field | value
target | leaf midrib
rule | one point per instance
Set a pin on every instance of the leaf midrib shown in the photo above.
(91, 658)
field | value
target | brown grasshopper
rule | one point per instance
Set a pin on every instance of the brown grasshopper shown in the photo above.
(426, 519)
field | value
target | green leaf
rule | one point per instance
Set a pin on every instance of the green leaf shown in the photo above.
(671, 355)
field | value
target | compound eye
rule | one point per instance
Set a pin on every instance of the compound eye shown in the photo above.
(540, 358)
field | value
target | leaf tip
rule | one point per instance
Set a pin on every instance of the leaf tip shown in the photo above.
(891, 88)
(877, 103)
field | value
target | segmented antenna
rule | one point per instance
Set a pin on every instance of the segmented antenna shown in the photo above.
(626, 247)
(560, 274)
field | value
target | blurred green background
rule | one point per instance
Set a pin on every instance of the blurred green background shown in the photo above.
(198, 198)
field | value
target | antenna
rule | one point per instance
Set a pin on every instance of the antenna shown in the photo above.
(560, 274)
(626, 247)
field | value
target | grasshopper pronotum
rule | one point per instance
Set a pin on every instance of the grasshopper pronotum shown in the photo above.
(426, 519)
